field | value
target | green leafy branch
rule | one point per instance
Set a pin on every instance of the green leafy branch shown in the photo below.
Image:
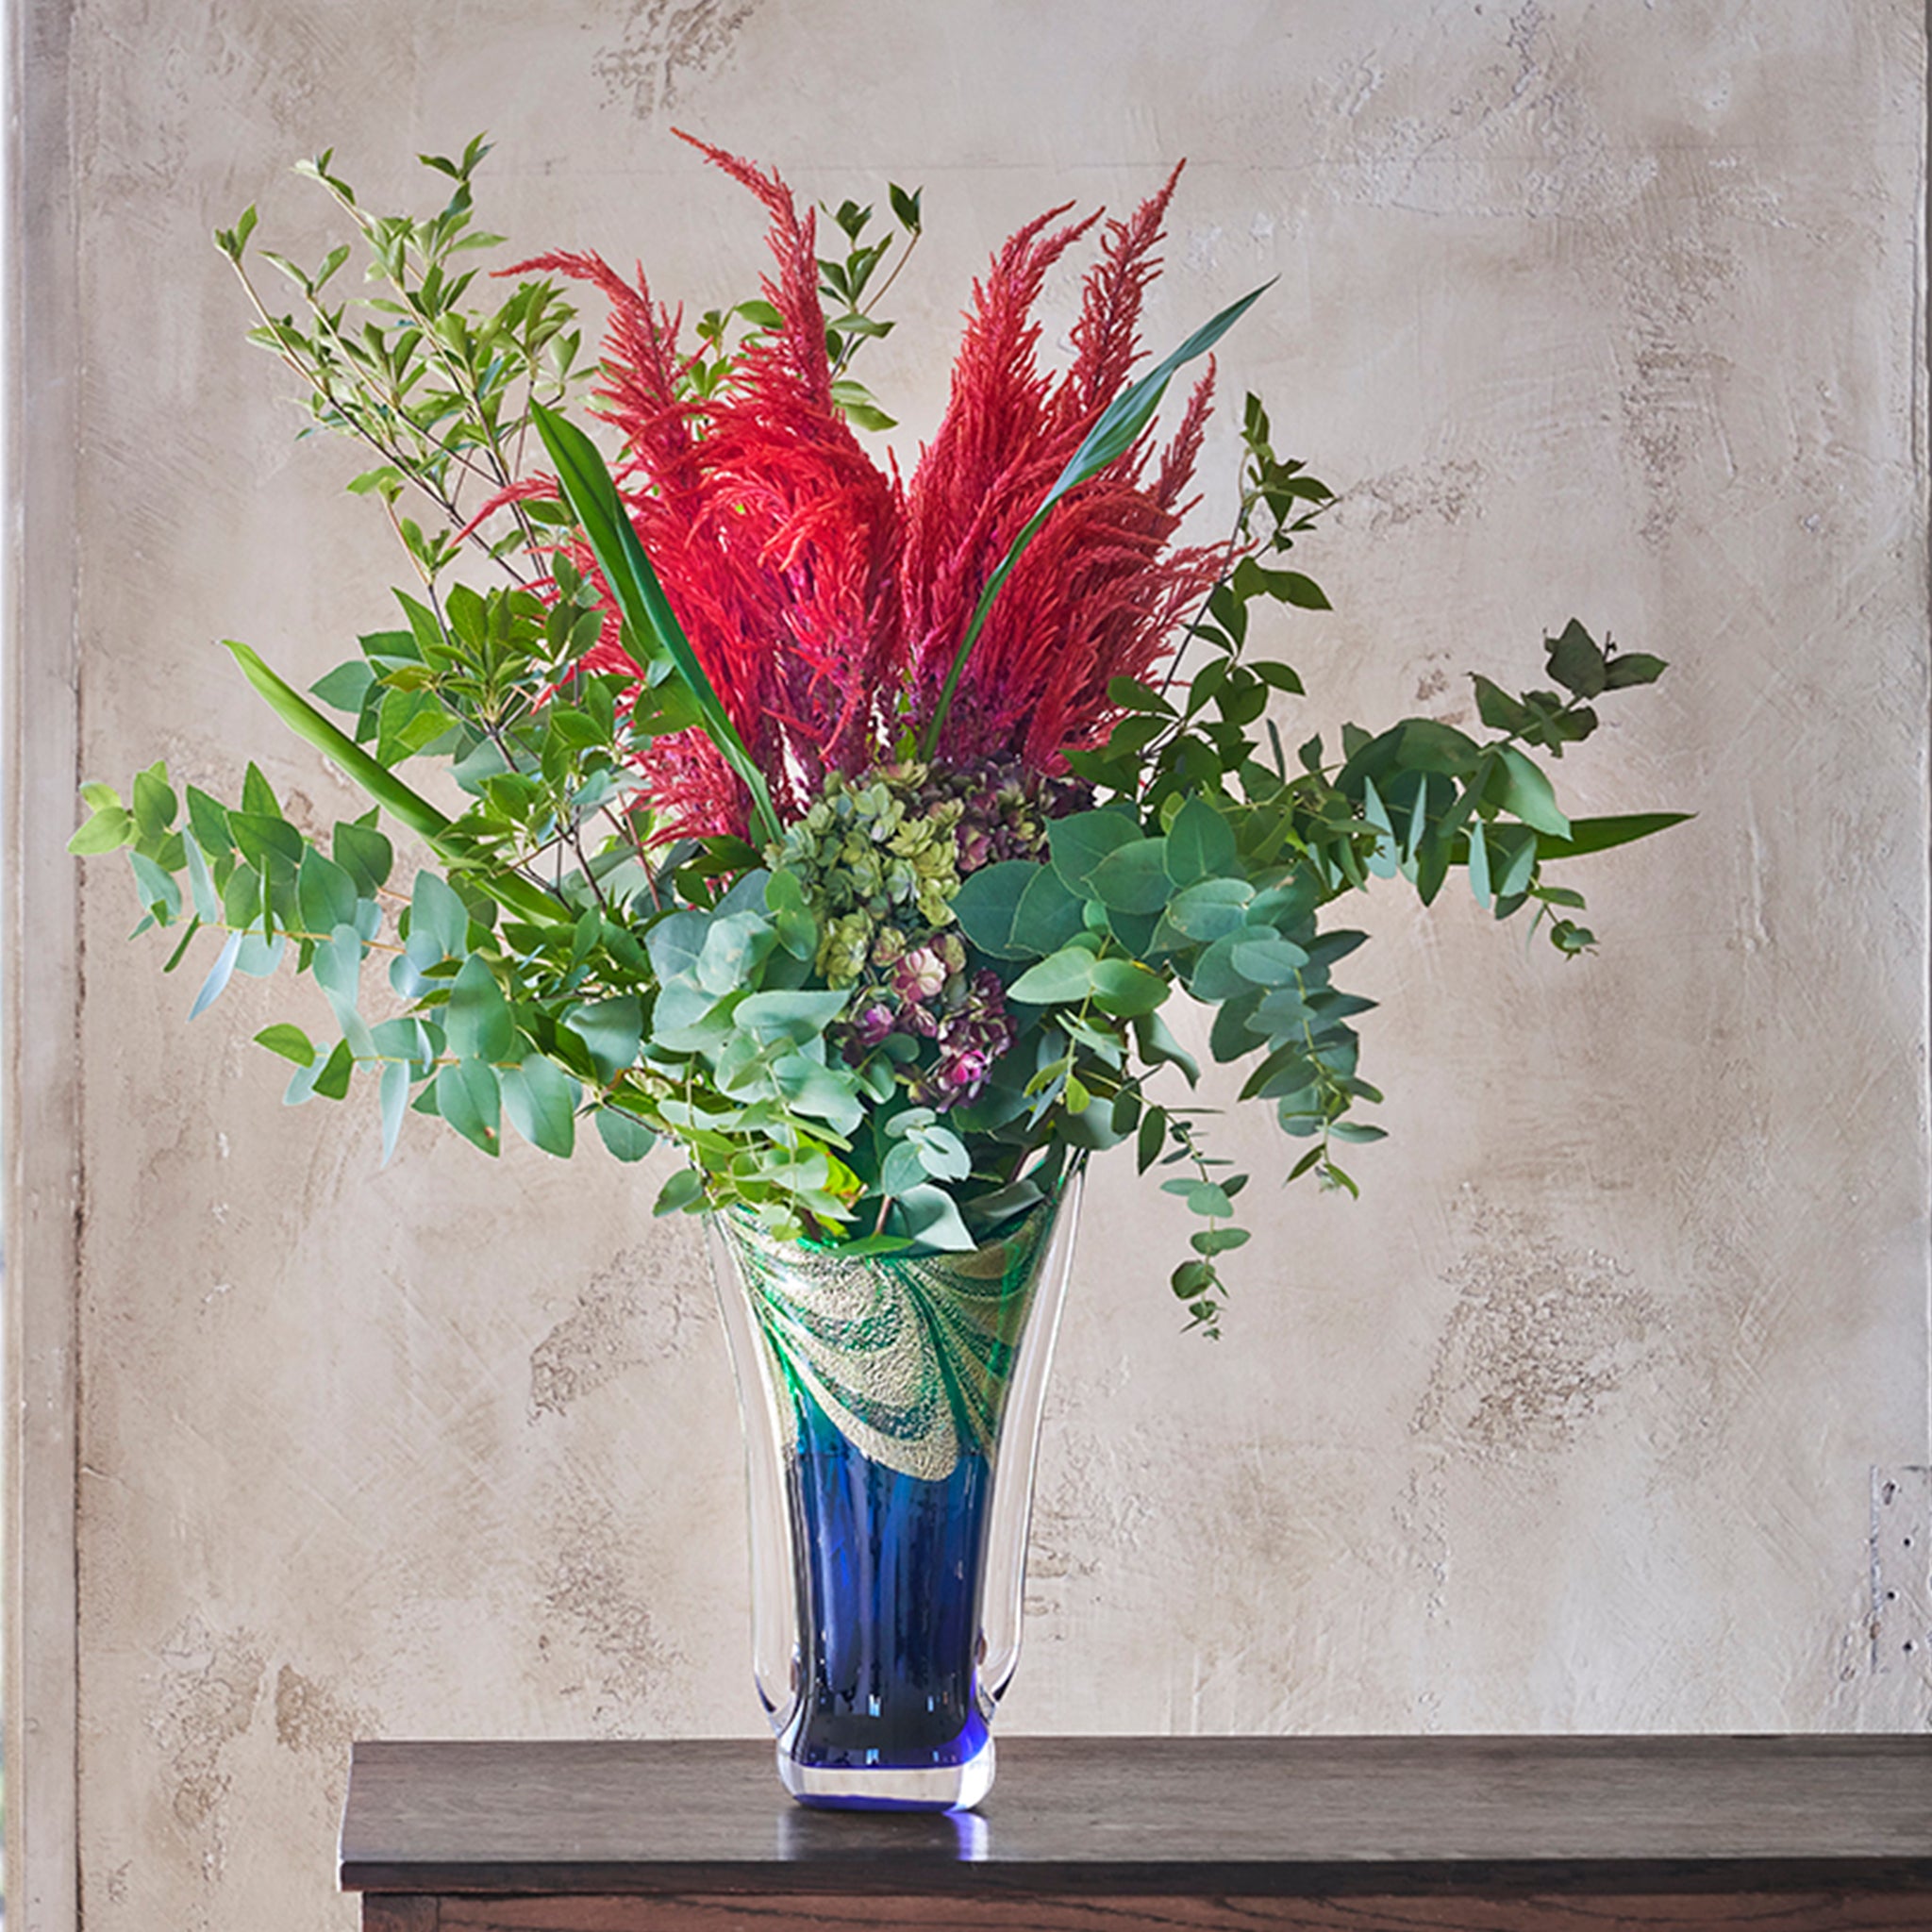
(852, 318)
(435, 386)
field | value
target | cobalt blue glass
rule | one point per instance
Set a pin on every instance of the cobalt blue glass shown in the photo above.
(891, 1414)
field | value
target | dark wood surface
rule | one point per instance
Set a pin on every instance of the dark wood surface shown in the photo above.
(1335, 1826)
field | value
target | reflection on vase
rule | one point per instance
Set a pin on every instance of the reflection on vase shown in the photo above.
(891, 1409)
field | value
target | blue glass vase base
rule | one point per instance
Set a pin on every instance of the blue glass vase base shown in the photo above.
(890, 1787)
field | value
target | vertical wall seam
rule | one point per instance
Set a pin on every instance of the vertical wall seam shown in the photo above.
(40, 907)
(1922, 371)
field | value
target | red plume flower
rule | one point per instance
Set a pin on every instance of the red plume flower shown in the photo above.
(826, 602)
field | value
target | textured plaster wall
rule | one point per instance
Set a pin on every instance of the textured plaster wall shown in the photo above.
(1599, 309)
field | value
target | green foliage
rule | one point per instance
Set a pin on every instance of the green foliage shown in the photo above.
(903, 1017)
(850, 298)
(436, 386)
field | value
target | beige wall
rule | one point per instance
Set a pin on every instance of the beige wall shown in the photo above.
(1568, 1425)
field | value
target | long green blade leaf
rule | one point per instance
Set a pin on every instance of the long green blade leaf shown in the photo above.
(404, 805)
(591, 498)
(1599, 835)
(1111, 438)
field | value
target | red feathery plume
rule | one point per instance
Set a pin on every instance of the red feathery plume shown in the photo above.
(774, 536)
(1098, 594)
(825, 602)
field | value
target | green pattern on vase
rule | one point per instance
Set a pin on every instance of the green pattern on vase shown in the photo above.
(909, 1357)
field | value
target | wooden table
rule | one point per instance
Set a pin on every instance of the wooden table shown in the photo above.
(1791, 1834)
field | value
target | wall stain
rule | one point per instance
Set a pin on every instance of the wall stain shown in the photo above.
(210, 1685)
(309, 1716)
(641, 1309)
(1669, 401)
(1520, 138)
(664, 44)
(1540, 1336)
(600, 1623)
(1444, 491)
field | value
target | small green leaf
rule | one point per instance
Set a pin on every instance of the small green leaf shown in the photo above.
(108, 830)
(1497, 708)
(208, 820)
(289, 1042)
(684, 1191)
(325, 893)
(332, 1083)
(611, 1031)
(261, 837)
(154, 804)
(344, 688)
(1048, 916)
(1158, 1047)
(1192, 1278)
(1082, 839)
(394, 1092)
(931, 1218)
(160, 895)
(1304, 592)
(1211, 908)
(1575, 662)
(1635, 668)
(1268, 961)
(1478, 863)
(1126, 989)
(208, 905)
(1151, 1138)
(439, 923)
(364, 853)
(217, 981)
(798, 1017)
(1528, 793)
(1217, 1240)
(987, 907)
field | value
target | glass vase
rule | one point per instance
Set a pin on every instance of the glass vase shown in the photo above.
(891, 1409)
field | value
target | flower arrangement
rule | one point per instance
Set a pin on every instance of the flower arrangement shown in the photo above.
(850, 831)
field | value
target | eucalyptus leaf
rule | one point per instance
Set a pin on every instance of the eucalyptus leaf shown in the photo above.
(611, 1031)
(541, 1100)
(1126, 989)
(394, 1092)
(470, 1098)
(1528, 793)
(1080, 842)
(478, 1018)
(987, 907)
(107, 830)
(930, 1217)
(217, 974)
(623, 1135)
(1067, 974)
(289, 1041)
(1133, 877)
(1200, 843)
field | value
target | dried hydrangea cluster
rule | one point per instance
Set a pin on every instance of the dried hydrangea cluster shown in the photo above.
(880, 858)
